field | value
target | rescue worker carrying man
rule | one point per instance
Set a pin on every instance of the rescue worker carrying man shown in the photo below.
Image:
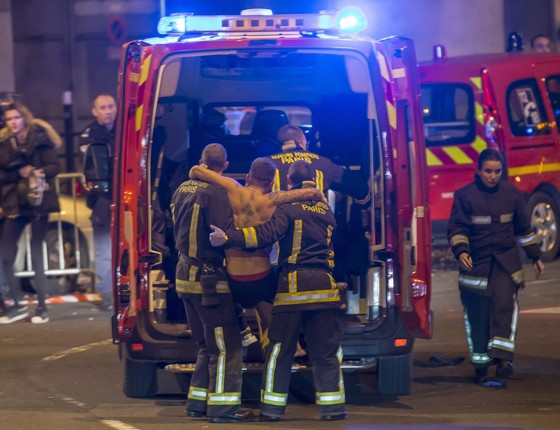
(307, 297)
(486, 217)
(327, 174)
(201, 282)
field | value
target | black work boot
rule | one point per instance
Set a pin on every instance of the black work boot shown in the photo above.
(504, 369)
(238, 417)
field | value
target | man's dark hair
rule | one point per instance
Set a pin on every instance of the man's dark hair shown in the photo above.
(489, 154)
(214, 156)
(537, 36)
(290, 132)
(299, 172)
(262, 171)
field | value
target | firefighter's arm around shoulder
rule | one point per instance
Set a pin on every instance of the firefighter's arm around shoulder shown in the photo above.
(457, 234)
(253, 237)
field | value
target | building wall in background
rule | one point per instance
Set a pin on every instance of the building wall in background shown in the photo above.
(73, 45)
(7, 82)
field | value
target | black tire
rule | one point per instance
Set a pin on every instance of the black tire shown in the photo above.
(545, 217)
(394, 375)
(66, 283)
(140, 379)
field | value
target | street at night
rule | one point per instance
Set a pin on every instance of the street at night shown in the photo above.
(67, 375)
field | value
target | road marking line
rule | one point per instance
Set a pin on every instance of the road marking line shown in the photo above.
(549, 310)
(73, 402)
(76, 350)
(119, 425)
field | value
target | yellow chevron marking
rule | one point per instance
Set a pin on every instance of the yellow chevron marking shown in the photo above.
(479, 113)
(399, 73)
(457, 155)
(534, 168)
(145, 69)
(477, 82)
(383, 67)
(392, 114)
(139, 113)
(479, 144)
(431, 158)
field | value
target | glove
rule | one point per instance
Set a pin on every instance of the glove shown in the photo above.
(218, 237)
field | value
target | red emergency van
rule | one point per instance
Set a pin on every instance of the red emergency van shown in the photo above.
(235, 80)
(508, 101)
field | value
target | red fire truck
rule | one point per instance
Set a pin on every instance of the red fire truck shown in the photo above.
(235, 80)
(508, 101)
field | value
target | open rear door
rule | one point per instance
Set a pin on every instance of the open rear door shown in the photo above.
(414, 225)
(128, 204)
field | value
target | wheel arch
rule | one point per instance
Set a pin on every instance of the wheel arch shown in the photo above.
(549, 189)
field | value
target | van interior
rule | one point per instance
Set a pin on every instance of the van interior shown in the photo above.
(240, 99)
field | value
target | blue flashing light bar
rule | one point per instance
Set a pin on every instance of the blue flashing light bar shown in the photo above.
(351, 20)
(259, 20)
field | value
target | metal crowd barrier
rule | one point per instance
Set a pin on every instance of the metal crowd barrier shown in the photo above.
(23, 266)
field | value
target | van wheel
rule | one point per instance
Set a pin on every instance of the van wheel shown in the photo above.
(545, 216)
(140, 379)
(394, 375)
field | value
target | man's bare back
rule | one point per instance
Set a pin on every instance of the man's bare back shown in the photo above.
(251, 206)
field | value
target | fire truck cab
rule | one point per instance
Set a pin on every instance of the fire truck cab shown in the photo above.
(507, 101)
(235, 80)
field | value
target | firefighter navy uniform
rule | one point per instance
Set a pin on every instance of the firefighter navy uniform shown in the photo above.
(306, 297)
(216, 382)
(327, 174)
(488, 224)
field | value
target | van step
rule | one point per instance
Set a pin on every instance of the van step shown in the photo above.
(296, 367)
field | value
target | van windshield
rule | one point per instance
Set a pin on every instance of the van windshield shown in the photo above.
(448, 112)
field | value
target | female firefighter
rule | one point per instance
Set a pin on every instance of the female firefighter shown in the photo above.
(486, 218)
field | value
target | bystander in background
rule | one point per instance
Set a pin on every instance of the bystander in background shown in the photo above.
(28, 166)
(102, 131)
(541, 43)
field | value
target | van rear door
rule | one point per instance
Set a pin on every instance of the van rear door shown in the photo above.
(129, 206)
(414, 228)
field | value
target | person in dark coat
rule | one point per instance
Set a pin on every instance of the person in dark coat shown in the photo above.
(488, 221)
(27, 152)
(102, 132)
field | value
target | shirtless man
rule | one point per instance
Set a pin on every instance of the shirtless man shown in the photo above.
(252, 280)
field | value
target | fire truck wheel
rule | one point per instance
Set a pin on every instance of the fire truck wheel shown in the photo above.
(394, 375)
(545, 216)
(140, 379)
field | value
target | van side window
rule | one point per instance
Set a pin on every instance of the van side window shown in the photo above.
(448, 112)
(553, 90)
(525, 109)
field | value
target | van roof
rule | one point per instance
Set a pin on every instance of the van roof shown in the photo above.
(473, 64)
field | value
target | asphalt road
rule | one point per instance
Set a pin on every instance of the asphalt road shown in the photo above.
(66, 375)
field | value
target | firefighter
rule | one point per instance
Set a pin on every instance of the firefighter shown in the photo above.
(201, 282)
(307, 297)
(486, 218)
(327, 174)
(252, 279)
